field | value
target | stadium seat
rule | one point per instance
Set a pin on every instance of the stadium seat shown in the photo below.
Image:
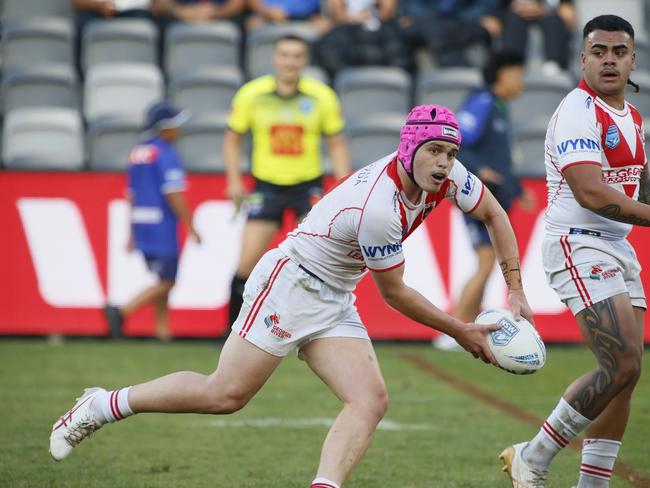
(373, 138)
(43, 138)
(640, 100)
(259, 45)
(529, 149)
(200, 142)
(27, 9)
(449, 86)
(191, 46)
(316, 72)
(42, 85)
(373, 90)
(540, 98)
(119, 40)
(41, 40)
(205, 89)
(110, 139)
(121, 89)
(631, 10)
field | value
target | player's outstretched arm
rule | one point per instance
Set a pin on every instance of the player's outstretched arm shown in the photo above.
(409, 302)
(591, 193)
(505, 247)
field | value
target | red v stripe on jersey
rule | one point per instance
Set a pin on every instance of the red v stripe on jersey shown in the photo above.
(630, 189)
(248, 323)
(322, 485)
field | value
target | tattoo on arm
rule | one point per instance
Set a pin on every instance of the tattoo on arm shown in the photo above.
(613, 212)
(644, 186)
(595, 392)
(511, 271)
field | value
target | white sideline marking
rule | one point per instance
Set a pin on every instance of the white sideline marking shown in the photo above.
(305, 423)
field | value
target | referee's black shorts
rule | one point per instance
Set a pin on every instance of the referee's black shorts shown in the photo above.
(269, 201)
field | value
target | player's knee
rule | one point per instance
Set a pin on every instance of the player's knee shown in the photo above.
(629, 370)
(374, 404)
(225, 402)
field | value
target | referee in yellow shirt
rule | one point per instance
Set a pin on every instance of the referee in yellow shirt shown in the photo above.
(286, 114)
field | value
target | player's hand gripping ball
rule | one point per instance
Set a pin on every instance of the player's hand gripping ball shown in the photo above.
(517, 346)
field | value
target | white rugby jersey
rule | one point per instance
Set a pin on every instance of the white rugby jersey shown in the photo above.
(585, 130)
(361, 223)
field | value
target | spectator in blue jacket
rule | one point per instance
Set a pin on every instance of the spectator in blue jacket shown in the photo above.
(156, 183)
(486, 152)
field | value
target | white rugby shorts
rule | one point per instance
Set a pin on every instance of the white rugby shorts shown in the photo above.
(285, 307)
(584, 270)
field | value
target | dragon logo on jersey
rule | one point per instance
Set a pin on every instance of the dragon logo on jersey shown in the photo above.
(271, 320)
(612, 138)
(596, 272)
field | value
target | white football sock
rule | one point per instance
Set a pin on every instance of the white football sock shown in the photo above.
(111, 406)
(323, 483)
(560, 427)
(598, 458)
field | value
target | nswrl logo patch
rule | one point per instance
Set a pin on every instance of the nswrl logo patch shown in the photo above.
(612, 138)
(504, 335)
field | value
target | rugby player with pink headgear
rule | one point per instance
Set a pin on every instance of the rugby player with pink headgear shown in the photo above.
(300, 296)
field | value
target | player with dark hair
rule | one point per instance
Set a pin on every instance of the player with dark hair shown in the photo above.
(300, 296)
(287, 114)
(486, 152)
(156, 183)
(598, 189)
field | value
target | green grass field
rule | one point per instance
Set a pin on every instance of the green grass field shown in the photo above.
(450, 416)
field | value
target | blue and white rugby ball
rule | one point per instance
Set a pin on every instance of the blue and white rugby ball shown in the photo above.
(517, 346)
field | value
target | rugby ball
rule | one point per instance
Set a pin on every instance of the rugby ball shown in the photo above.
(517, 346)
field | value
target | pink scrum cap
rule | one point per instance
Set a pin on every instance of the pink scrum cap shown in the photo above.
(424, 123)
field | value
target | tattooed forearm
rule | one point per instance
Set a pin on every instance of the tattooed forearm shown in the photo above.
(512, 273)
(613, 212)
(644, 186)
(595, 392)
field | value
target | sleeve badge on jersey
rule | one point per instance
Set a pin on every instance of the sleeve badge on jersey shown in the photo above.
(612, 138)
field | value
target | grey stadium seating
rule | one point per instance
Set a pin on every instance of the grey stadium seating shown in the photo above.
(188, 46)
(529, 149)
(540, 98)
(110, 139)
(260, 42)
(640, 100)
(39, 40)
(373, 138)
(448, 87)
(205, 89)
(121, 89)
(42, 85)
(119, 41)
(43, 138)
(365, 91)
(201, 140)
(26, 9)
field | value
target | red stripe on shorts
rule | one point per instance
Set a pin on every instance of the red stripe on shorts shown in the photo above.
(250, 318)
(580, 286)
